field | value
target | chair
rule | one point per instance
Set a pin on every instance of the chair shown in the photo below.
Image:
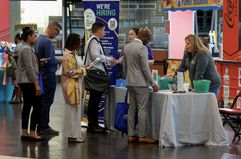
(232, 116)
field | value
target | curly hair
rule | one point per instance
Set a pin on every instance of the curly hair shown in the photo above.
(73, 42)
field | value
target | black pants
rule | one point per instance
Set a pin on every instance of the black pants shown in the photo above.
(30, 100)
(93, 109)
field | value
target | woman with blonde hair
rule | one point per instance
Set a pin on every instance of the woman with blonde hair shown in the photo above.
(198, 61)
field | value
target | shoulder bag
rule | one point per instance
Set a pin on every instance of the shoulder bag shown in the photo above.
(96, 79)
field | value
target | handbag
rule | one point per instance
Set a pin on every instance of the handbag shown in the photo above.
(96, 79)
(121, 116)
(40, 82)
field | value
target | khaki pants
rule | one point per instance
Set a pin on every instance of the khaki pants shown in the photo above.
(137, 113)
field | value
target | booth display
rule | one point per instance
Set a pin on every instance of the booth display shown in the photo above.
(6, 87)
(176, 119)
(224, 40)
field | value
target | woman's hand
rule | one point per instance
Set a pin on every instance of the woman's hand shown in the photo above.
(86, 66)
(38, 91)
(170, 75)
(37, 88)
(71, 73)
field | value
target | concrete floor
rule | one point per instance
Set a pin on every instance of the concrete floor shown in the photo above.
(97, 146)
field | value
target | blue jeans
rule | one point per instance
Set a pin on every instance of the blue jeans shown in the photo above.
(49, 85)
(215, 90)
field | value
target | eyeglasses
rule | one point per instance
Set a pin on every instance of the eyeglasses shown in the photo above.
(57, 31)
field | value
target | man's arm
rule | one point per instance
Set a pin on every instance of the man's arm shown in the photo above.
(49, 52)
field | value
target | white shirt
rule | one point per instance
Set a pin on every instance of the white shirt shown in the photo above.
(94, 50)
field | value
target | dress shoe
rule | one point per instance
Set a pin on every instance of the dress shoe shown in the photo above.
(96, 130)
(147, 140)
(31, 138)
(132, 139)
(76, 140)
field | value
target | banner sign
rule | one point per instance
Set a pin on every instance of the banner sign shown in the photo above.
(232, 30)
(175, 5)
(107, 13)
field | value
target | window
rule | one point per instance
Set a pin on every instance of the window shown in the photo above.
(138, 13)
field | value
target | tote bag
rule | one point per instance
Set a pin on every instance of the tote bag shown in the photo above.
(121, 115)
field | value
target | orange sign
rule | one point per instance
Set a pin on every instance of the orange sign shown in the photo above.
(232, 30)
(173, 5)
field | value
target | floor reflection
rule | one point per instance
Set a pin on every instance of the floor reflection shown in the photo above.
(97, 146)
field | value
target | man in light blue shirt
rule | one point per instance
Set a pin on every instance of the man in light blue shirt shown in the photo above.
(94, 49)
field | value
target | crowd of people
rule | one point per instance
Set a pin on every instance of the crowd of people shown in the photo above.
(36, 77)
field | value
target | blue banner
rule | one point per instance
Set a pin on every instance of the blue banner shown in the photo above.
(107, 13)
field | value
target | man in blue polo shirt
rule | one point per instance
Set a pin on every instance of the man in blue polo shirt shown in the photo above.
(48, 66)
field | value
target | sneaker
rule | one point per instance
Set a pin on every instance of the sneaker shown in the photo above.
(48, 131)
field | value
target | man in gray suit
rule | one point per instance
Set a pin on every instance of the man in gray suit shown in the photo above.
(138, 78)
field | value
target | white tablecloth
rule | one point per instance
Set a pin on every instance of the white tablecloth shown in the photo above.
(177, 119)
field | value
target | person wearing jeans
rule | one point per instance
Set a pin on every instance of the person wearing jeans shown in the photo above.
(48, 66)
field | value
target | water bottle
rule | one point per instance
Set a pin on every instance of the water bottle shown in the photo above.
(238, 102)
(226, 88)
(179, 3)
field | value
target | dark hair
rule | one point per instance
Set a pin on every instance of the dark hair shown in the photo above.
(27, 31)
(18, 36)
(135, 30)
(72, 42)
(96, 26)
